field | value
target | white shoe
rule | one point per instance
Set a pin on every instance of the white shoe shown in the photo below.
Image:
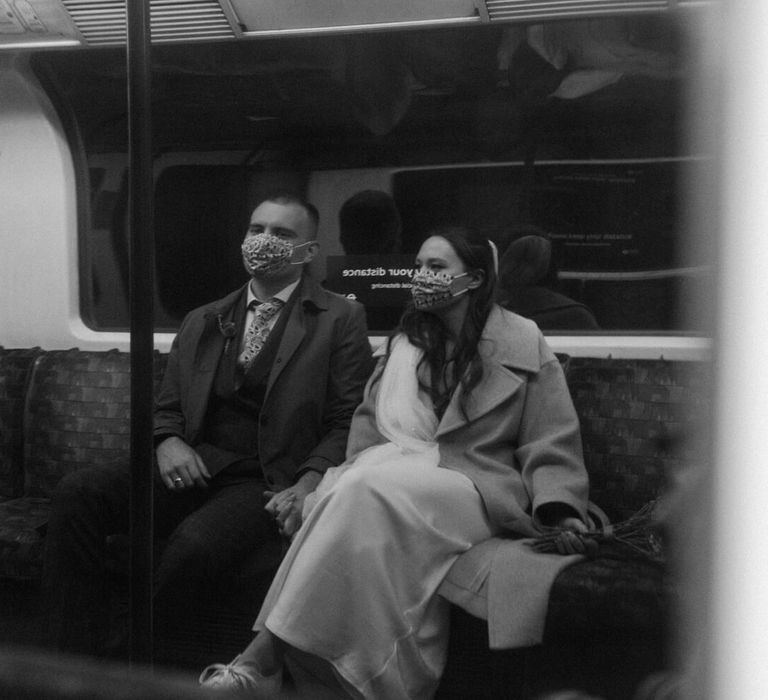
(239, 675)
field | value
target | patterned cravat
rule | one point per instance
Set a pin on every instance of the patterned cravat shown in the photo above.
(258, 331)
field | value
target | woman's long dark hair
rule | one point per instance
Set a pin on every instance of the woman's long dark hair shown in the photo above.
(427, 331)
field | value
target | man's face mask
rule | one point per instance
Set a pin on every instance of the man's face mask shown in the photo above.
(268, 255)
(434, 290)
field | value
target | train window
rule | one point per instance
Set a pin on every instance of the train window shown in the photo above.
(494, 127)
(199, 214)
(611, 226)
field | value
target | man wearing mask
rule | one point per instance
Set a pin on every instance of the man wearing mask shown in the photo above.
(255, 405)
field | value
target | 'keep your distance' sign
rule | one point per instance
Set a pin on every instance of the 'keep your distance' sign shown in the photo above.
(374, 280)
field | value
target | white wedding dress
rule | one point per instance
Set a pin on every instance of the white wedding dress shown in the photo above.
(358, 584)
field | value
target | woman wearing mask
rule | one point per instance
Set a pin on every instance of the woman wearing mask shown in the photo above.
(466, 431)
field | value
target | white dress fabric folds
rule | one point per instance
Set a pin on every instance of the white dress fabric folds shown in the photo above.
(358, 585)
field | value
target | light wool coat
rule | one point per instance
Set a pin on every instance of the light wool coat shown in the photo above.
(519, 441)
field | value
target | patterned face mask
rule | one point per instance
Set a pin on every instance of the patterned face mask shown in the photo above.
(268, 255)
(431, 290)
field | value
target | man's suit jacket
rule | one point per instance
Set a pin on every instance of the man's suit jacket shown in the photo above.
(520, 441)
(316, 381)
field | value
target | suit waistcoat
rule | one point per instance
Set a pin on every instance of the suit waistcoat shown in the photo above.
(231, 425)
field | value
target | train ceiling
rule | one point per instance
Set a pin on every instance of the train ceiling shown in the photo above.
(29, 24)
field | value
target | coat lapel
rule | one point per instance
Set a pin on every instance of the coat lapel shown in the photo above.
(208, 351)
(292, 336)
(497, 385)
(507, 349)
(211, 342)
(310, 293)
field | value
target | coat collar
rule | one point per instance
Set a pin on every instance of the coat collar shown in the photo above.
(509, 345)
(510, 340)
(224, 306)
(310, 293)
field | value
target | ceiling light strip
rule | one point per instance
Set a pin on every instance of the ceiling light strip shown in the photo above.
(552, 9)
(103, 22)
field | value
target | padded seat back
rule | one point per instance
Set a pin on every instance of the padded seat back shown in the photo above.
(637, 418)
(77, 414)
(15, 366)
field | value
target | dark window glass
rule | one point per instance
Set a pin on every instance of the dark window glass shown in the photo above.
(201, 213)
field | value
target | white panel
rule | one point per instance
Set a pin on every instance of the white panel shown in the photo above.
(739, 637)
(301, 14)
(38, 226)
(35, 23)
(103, 22)
(553, 9)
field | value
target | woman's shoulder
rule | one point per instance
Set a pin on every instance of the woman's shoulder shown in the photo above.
(503, 324)
(516, 341)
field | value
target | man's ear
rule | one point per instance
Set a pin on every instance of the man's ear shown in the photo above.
(313, 248)
(477, 277)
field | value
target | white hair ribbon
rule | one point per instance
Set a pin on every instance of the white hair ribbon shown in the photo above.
(495, 254)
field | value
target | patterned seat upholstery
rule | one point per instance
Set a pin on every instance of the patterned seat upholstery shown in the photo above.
(77, 413)
(22, 530)
(14, 372)
(608, 616)
(62, 410)
(636, 418)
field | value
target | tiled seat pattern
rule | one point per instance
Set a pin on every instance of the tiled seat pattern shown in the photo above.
(61, 410)
(22, 530)
(76, 413)
(636, 420)
(14, 372)
(608, 616)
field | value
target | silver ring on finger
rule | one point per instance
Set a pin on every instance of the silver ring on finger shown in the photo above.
(178, 481)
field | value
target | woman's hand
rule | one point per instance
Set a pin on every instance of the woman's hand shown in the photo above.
(568, 542)
(286, 506)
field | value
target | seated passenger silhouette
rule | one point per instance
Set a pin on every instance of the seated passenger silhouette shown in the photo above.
(528, 284)
(369, 224)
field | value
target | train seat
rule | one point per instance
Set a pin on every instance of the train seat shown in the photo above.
(15, 366)
(608, 620)
(61, 410)
(20, 520)
(76, 412)
(608, 616)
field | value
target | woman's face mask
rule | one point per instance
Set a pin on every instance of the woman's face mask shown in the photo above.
(434, 290)
(268, 255)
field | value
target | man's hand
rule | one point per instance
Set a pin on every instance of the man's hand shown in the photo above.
(180, 466)
(286, 505)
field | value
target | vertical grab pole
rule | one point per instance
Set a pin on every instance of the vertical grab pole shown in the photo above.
(142, 327)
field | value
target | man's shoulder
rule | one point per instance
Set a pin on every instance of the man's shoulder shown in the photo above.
(337, 300)
(332, 301)
(212, 308)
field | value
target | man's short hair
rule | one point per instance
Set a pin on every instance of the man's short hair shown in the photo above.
(288, 198)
